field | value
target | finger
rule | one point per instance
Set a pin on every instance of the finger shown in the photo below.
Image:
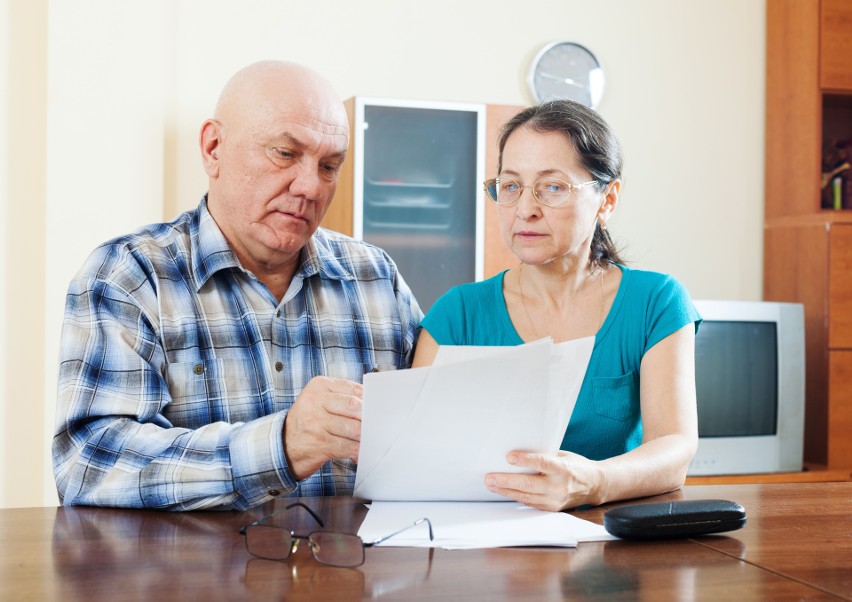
(342, 427)
(513, 489)
(521, 483)
(344, 387)
(537, 462)
(345, 406)
(333, 396)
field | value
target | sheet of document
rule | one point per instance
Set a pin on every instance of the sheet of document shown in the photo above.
(432, 434)
(476, 525)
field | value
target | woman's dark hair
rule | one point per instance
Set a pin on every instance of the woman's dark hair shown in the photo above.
(596, 145)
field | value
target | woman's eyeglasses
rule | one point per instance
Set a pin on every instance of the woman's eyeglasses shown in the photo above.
(328, 547)
(550, 192)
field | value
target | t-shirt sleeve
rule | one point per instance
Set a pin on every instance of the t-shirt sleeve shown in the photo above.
(670, 309)
(445, 320)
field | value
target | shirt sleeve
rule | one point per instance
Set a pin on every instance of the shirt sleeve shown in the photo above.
(670, 309)
(113, 445)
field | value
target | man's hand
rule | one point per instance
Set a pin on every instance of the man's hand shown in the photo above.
(323, 423)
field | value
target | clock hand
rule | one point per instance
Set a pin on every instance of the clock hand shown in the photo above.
(564, 80)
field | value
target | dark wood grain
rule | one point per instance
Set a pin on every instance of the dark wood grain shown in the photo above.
(797, 544)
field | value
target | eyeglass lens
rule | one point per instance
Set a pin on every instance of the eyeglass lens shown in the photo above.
(548, 191)
(336, 549)
(271, 543)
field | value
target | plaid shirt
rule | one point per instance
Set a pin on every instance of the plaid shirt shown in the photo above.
(177, 366)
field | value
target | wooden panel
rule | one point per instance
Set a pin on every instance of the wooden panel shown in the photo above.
(795, 259)
(836, 45)
(818, 475)
(497, 256)
(339, 214)
(840, 289)
(793, 109)
(840, 409)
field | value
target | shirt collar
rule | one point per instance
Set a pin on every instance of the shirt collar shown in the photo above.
(211, 251)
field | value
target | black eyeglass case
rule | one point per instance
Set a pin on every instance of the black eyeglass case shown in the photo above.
(670, 520)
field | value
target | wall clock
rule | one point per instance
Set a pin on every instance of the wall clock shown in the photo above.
(564, 69)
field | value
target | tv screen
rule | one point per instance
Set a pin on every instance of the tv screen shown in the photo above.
(750, 387)
(736, 378)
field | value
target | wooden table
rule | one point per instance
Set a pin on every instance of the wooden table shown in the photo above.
(797, 544)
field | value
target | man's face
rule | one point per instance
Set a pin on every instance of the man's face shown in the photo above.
(275, 175)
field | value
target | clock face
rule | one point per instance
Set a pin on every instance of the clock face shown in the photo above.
(566, 70)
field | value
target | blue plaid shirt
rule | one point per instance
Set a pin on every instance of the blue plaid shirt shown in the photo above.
(177, 366)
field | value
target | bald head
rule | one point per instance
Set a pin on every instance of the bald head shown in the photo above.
(263, 90)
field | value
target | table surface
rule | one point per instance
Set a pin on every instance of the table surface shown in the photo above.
(797, 544)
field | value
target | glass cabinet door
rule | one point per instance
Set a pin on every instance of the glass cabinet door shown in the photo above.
(418, 174)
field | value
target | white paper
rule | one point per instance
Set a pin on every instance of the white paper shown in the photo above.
(432, 434)
(476, 525)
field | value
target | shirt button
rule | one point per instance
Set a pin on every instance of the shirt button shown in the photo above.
(279, 366)
(198, 369)
(278, 314)
(274, 492)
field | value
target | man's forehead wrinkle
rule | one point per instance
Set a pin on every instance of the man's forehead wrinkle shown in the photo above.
(301, 137)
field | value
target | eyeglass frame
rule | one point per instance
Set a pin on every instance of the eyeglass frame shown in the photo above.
(295, 538)
(496, 183)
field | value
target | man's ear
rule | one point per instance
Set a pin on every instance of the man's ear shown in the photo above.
(210, 141)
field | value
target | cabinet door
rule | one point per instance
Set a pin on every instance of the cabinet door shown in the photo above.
(840, 410)
(418, 192)
(840, 287)
(792, 89)
(498, 257)
(836, 45)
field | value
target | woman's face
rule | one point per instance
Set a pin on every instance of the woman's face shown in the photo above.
(537, 234)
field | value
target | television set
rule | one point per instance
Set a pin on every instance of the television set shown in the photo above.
(750, 386)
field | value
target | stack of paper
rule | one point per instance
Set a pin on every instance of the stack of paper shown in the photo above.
(432, 434)
(476, 525)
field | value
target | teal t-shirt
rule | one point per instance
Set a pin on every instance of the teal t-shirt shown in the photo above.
(606, 421)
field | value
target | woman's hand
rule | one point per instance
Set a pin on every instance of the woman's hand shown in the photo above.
(562, 480)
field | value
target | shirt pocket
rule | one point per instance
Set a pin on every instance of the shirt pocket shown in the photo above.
(616, 397)
(199, 393)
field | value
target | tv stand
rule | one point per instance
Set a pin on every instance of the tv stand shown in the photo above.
(811, 474)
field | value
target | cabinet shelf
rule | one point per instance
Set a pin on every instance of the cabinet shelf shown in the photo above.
(406, 185)
(823, 216)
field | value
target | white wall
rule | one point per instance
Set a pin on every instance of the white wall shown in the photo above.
(129, 83)
(23, 36)
(4, 219)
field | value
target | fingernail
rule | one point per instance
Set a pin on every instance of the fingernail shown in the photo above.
(513, 459)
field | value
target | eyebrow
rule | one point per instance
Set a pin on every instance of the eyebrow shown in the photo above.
(299, 145)
(543, 172)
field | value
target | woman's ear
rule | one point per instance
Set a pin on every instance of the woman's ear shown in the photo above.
(210, 141)
(610, 202)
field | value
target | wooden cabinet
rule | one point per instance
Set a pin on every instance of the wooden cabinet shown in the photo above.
(807, 249)
(836, 44)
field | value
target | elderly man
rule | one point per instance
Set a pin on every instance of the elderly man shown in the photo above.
(215, 360)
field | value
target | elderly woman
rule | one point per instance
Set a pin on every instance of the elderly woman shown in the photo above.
(633, 431)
